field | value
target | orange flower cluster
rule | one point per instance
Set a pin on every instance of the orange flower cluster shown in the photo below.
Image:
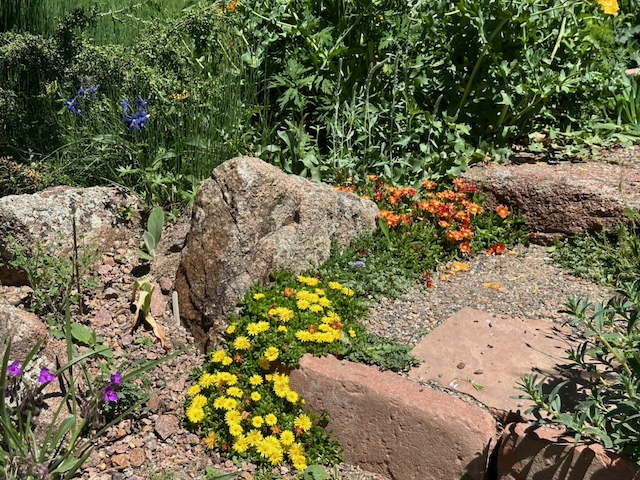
(496, 249)
(450, 209)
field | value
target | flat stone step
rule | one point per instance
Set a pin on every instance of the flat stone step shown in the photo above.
(486, 355)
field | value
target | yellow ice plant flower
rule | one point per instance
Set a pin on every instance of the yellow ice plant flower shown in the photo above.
(295, 450)
(325, 327)
(287, 438)
(271, 353)
(331, 317)
(320, 292)
(311, 281)
(303, 422)
(262, 326)
(269, 447)
(352, 333)
(255, 396)
(282, 328)
(227, 378)
(324, 302)
(308, 296)
(193, 390)
(276, 457)
(264, 363)
(257, 421)
(280, 379)
(219, 403)
(609, 7)
(299, 463)
(235, 392)
(281, 390)
(226, 361)
(230, 404)
(241, 444)
(282, 313)
(270, 419)
(199, 401)
(335, 286)
(348, 292)
(304, 336)
(303, 304)
(230, 329)
(255, 380)
(258, 296)
(195, 414)
(232, 416)
(242, 343)
(218, 356)
(254, 437)
(210, 440)
(292, 396)
(206, 380)
(235, 429)
(315, 308)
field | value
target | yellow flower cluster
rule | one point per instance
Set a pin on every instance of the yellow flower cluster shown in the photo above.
(609, 7)
(281, 388)
(254, 329)
(195, 411)
(220, 356)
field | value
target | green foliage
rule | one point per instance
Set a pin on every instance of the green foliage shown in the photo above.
(388, 355)
(52, 277)
(610, 411)
(213, 474)
(151, 237)
(610, 257)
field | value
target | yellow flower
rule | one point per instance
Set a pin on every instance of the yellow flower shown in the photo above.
(352, 333)
(303, 422)
(271, 419)
(609, 7)
(255, 380)
(242, 343)
(292, 396)
(325, 302)
(199, 401)
(276, 457)
(235, 429)
(315, 308)
(241, 444)
(232, 416)
(287, 438)
(252, 329)
(195, 414)
(282, 328)
(254, 437)
(206, 380)
(280, 379)
(262, 326)
(308, 296)
(304, 336)
(227, 361)
(281, 390)
(193, 390)
(218, 356)
(255, 396)
(299, 463)
(231, 329)
(258, 296)
(230, 404)
(264, 363)
(257, 421)
(335, 286)
(296, 450)
(348, 292)
(210, 441)
(235, 392)
(271, 353)
(320, 292)
(269, 447)
(283, 313)
(303, 304)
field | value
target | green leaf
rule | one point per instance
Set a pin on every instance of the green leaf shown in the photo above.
(82, 334)
(155, 224)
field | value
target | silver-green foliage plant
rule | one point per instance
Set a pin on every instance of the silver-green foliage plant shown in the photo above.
(151, 237)
(609, 355)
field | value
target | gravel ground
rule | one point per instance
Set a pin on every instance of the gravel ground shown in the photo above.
(521, 283)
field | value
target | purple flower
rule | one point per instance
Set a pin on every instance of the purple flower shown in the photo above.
(14, 369)
(125, 105)
(359, 264)
(73, 106)
(142, 105)
(81, 91)
(116, 379)
(46, 376)
(110, 394)
(92, 90)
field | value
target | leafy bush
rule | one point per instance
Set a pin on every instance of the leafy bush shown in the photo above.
(610, 412)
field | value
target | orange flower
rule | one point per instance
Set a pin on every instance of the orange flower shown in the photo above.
(429, 184)
(444, 224)
(473, 208)
(496, 249)
(393, 200)
(231, 7)
(502, 211)
(465, 247)
(288, 292)
(372, 178)
(454, 236)
(378, 196)
(348, 189)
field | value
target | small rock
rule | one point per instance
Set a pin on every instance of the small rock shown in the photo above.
(154, 404)
(110, 294)
(166, 425)
(121, 460)
(126, 339)
(461, 365)
(108, 261)
(104, 269)
(137, 457)
(166, 285)
(103, 318)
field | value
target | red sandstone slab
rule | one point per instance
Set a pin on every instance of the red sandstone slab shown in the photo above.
(492, 352)
(390, 425)
(529, 452)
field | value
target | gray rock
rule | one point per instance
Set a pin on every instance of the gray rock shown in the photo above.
(249, 220)
(46, 217)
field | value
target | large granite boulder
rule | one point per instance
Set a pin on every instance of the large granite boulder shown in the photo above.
(46, 217)
(562, 200)
(250, 219)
